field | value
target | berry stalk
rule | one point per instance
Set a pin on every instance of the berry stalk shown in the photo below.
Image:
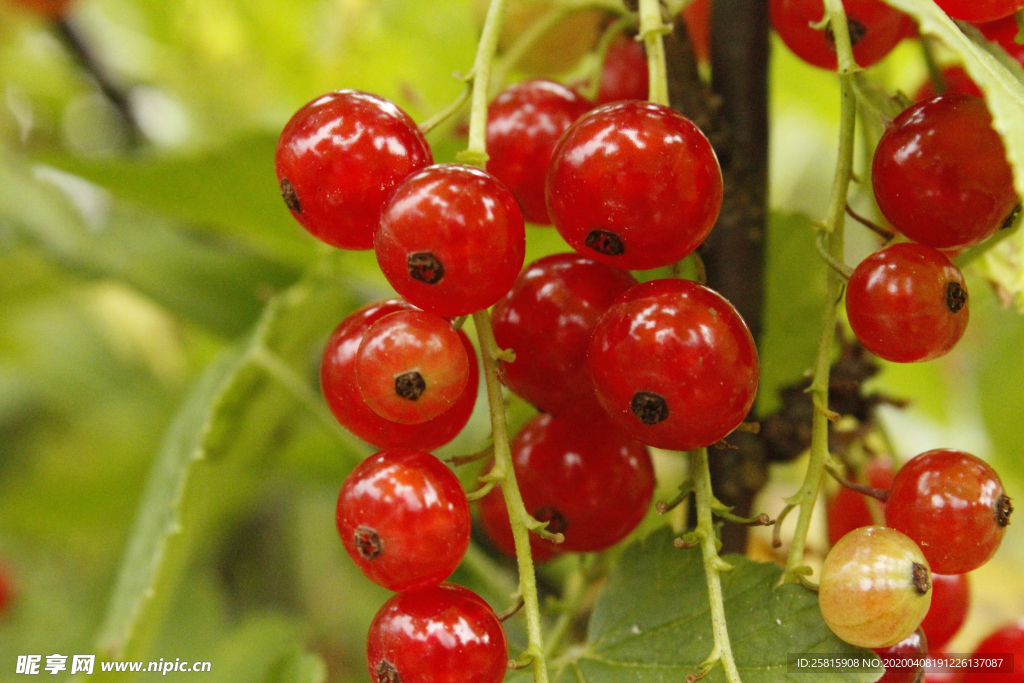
(652, 28)
(713, 567)
(519, 518)
(476, 148)
(831, 228)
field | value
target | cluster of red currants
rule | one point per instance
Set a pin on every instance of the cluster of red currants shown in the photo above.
(945, 511)
(616, 366)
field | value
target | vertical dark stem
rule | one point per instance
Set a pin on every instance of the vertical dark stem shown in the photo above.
(734, 252)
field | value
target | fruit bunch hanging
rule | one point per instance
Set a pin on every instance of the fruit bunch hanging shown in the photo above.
(617, 352)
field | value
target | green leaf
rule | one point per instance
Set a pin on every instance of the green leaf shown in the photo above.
(794, 301)
(652, 622)
(234, 418)
(219, 282)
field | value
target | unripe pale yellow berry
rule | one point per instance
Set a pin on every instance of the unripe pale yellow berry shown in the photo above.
(875, 587)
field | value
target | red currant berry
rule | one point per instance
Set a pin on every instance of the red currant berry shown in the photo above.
(907, 303)
(341, 390)
(953, 505)
(444, 634)
(697, 16)
(404, 519)
(956, 81)
(411, 366)
(1007, 640)
(875, 587)
(523, 124)
(848, 509)
(588, 480)
(339, 159)
(913, 645)
(624, 74)
(674, 364)
(979, 10)
(547, 319)
(451, 240)
(875, 29)
(940, 173)
(496, 526)
(635, 185)
(951, 598)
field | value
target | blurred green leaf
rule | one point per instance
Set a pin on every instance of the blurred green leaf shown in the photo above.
(794, 301)
(651, 623)
(219, 282)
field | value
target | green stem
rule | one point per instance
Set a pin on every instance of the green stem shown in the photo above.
(573, 591)
(832, 242)
(476, 148)
(518, 516)
(713, 565)
(652, 31)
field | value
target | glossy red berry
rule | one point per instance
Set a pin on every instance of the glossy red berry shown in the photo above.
(674, 364)
(624, 74)
(848, 509)
(587, 479)
(951, 598)
(411, 366)
(940, 173)
(341, 390)
(979, 10)
(635, 185)
(404, 519)
(523, 124)
(1007, 640)
(912, 646)
(907, 303)
(451, 240)
(445, 634)
(547, 319)
(339, 159)
(875, 29)
(953, 505)
(875, 587)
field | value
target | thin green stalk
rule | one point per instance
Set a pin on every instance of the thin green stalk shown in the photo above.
(713, 566)
(573, 592)
(518, 516)
(832, 227)
(652, 31)
(476, 148)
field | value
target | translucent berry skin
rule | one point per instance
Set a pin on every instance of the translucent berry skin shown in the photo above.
(547, 319)
(951, 598)
(339, 159)
(635, 185)
(404, 519)
(875, 29)
(907, 303)
(979, 10)
(451, 240)
(341, 390)
(674, 364)
(911, 646)
(953, 505)
(624, 74)
(523, 124)
(875, 587)
(589, 480)
(444, 634)
(848, 509)
(1008, 639)
(940, 173)
(411, 366)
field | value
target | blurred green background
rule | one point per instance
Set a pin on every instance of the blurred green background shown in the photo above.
(167, 471)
